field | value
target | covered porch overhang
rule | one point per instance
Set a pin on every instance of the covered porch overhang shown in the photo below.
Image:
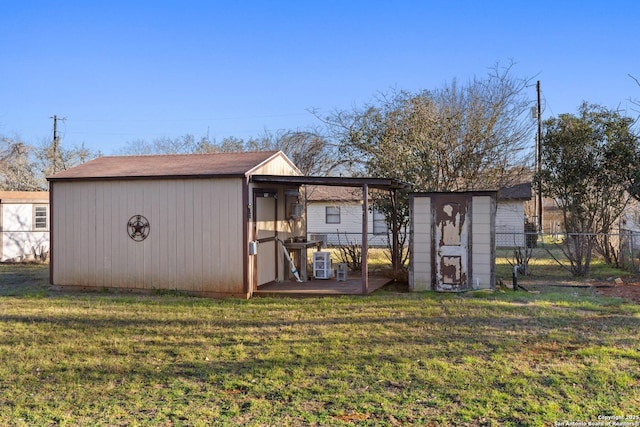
(366, 184)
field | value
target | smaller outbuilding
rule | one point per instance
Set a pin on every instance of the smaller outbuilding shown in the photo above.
(24, 226)
(511, 216)
(453, 241)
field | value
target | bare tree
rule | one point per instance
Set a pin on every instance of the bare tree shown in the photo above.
(471, 137)
(165, 145)
(635, 101)
(16, 169)
(25, 168)
(455, 138)
(47, 160)
(309, 150)
(227, 145)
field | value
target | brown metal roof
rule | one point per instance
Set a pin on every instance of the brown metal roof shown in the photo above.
(167, 165)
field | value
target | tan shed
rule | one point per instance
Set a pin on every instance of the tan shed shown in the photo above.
(453, 241)
(172, 222)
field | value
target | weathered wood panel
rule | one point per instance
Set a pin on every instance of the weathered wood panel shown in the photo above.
(481, 251)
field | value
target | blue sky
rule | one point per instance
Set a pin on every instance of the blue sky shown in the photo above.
(125, 70)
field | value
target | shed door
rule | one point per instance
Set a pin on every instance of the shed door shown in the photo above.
(451, 241)
(265, 233)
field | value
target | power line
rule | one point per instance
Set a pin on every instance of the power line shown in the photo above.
(139, 120)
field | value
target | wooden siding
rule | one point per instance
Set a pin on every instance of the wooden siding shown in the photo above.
(195, 240)
(482, 252)
(482, 237)
(266, 228)
(277, 165)
(285, 227)
(271, 264)
(421, 230)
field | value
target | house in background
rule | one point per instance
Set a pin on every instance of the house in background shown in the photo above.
(24, 225)
(334, 215)
(511, 215)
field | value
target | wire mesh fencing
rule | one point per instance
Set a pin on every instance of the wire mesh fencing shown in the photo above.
(567, 254)
(536, 255)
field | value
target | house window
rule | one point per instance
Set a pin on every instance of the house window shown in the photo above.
(332, 215)
(40, 218)
(379, 223)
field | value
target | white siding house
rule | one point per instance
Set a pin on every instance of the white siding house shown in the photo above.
(511, 216)
(189, 223)
(334, 215)
(24, 225)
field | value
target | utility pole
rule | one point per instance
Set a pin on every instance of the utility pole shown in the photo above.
(56, 142)
(539, 157)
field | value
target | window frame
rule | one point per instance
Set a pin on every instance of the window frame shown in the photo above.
(379, 223)
(336, 214)
(36, 209)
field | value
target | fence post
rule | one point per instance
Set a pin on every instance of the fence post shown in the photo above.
(633, 246)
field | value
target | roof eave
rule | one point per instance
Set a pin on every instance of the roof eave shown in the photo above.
(379, 183)
(144, 177)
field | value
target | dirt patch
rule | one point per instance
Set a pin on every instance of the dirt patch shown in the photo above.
(624, 287)
(627, 288)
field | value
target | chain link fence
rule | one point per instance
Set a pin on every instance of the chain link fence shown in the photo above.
(539, 256)
(548, 254)
(346, 238)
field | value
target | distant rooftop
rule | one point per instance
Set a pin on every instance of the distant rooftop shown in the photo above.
(516, 192)
(318, 193)
(24, 196)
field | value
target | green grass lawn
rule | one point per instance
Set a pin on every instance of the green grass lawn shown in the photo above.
(544, 266)
(501, 358)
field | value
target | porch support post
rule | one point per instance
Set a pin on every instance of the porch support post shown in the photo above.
(365, 238)
(395, 250)
(248, 274)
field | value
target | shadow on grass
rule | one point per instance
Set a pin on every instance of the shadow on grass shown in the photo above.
(391, 355)
(26, 280)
